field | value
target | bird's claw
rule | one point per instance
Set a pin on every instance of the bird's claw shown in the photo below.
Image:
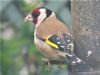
(46, 61)
(59, 66)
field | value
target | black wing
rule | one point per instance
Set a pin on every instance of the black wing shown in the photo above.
(63, 44)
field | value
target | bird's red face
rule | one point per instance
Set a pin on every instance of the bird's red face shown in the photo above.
(35, 15)
(39, 15)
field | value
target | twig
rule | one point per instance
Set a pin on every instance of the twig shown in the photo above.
(55, 62)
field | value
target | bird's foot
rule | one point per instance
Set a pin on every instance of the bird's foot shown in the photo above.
(59, 66)
(47, 62)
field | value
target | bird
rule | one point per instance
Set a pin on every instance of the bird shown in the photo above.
(52, 37)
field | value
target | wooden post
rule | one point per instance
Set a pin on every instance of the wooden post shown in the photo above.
(86, 31)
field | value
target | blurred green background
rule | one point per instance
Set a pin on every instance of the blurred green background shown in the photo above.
(18, 55)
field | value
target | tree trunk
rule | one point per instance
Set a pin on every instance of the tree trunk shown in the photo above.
(86, 32)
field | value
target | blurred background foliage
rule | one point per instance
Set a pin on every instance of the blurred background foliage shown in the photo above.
(18, 55)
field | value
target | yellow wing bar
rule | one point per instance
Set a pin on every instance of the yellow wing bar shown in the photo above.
(51, 43)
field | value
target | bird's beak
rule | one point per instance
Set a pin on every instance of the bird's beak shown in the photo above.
(28, 18)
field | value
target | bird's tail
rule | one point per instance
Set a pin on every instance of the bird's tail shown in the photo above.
(73, 59)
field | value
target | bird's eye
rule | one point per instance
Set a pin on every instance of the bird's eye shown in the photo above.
(36, 14)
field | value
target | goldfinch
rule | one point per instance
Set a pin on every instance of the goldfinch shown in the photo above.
(51, 37)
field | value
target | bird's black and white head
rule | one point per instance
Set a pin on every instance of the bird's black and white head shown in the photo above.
(39, 15)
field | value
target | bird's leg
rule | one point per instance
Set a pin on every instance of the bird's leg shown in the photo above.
(47, 62)
(48, 66)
